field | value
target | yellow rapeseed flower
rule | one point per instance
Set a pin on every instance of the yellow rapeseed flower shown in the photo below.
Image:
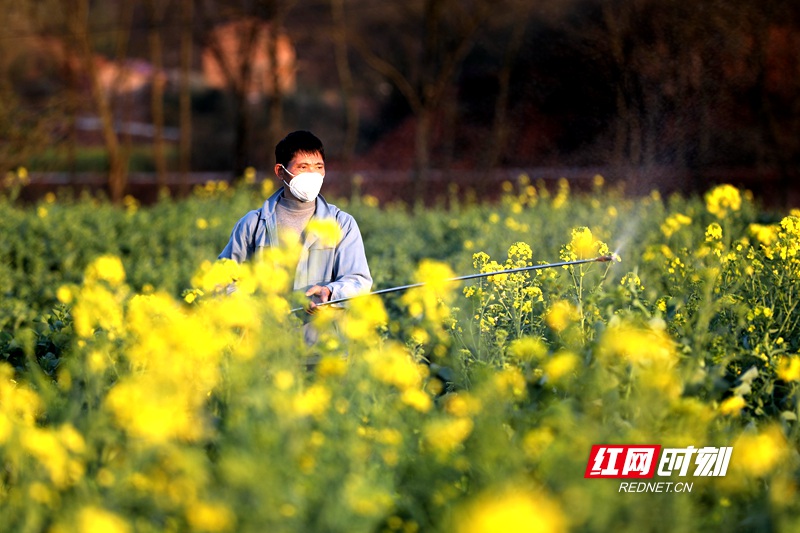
(64, 294)
(562, 196)
(632, 281)
(5, 428)
(131, 204)
(327, 231)
(461, 404)
(561, 314)
(365, 315)
(142, 407)
(788, 246)
(510, 382)
(191, 295)
(430, 299)
(57, 450)
(512, 510)
(674, 223)
(92, 519)
(646, 346)
(107, 268)
(389, 436)
(443, 436)
(520, 251)
(18, 403)
(313, 401)
(651, 353)
(723, 199)
(365, 498)
(560, 365)
(97, 307)
(215, 276)
(758, 454)
(435, 275)
(284, 380)
(536, 441)
(418, 399)
(789, 368)
(713, 232)
(331, 366)
(527, 349)
(583, 245)
(41, 493)
(267, 188)
(394, 366)
(732, 405)
(210, 517)
(765, 234)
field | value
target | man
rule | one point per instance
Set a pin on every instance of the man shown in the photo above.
(324, 272)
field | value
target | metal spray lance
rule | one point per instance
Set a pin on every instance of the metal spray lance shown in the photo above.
(600, 259)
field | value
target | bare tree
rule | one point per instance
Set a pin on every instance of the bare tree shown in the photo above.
(247, 25)
(155, 11)
(276, 12)
(185, 98)
(78, 24)
(235, 69)
(774, 94)
(345, 81)
(21, 131)
(519, 18)
(419, 47)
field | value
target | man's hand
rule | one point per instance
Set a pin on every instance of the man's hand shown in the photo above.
(318, 294)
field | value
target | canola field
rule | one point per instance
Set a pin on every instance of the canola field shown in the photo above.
(655, 392)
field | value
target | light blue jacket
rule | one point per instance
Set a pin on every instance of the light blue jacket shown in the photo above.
(342, 268)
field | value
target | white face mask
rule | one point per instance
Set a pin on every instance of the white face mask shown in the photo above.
(304, 186)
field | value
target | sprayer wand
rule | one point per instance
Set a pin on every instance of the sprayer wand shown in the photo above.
(600, 259)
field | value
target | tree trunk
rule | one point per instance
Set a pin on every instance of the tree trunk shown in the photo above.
(500, 125)
(276, 93)
(422, 154)
(72, 108)
(118, 171)
(156, 15)
(238, 77)
(346, 83)
(124, 97)
(241, 137)
(185, 103)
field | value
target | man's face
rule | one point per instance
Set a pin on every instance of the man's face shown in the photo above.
(300, 163)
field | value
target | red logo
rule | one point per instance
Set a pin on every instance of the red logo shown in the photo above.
(622, 461)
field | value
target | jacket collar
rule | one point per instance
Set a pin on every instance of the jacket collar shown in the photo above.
(323, 208)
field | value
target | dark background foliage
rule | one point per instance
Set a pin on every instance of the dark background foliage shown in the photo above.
(653, 93)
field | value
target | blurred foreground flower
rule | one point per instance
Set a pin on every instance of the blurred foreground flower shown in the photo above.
(561, 314)
(723, 199)
(758, 454)
(105, 268)
(512, 510)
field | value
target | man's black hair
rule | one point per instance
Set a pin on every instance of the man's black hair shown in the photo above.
(297, 141)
